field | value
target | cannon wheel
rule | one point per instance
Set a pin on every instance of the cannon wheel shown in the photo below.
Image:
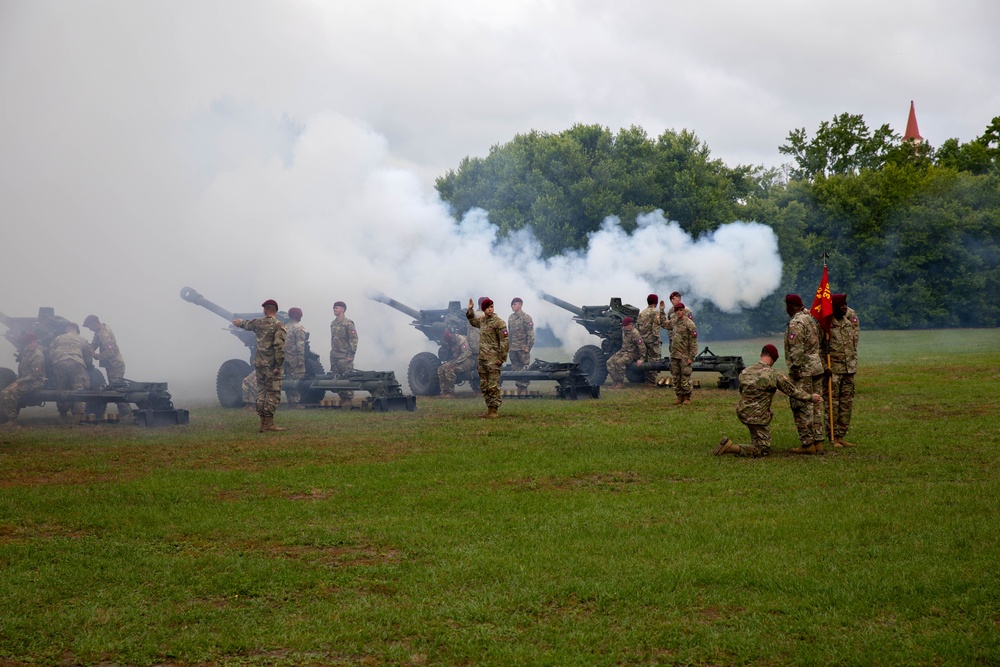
(7, 377)
(314, 368)
(229, 382)
(592, 364)
(96, 378)
(635, 375)
(422, 374)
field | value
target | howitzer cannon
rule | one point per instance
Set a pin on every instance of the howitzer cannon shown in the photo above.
(421, 374)
(728, 368)
(604, 322)
(152, 398)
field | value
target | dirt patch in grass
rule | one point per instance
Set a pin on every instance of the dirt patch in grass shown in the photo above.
(617, 481)
(938, 411)
(10, 534)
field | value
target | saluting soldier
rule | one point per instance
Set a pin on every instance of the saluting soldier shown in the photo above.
(460, 361)
(757, 386)
(71, 356)
(105, 349)
(268, 362)
(649, 323)
(805, 370)
(521, 330)
(493, 348)
(633, 349)
(343, 346)
(844, 334)
(683, 350)
(30, 376)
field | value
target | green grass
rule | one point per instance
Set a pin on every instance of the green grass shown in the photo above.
(589, 533)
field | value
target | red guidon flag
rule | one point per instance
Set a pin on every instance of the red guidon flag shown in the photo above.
(822, 308)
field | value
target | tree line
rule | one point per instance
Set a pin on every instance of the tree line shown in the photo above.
(912, 231)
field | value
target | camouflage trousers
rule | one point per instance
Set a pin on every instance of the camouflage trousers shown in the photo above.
(519, 361)
(10, 397)
(448, 373)
(842, 401)
(808, 416)
(653, 353)
(295, 373)
(489, 383)
(268, 389)
(70, 376)
(680, 375)
(760, 441)
(249, 388)
(341, 366)
(616, 366)
(116, 375)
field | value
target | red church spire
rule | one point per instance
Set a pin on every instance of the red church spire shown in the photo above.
(912, 132)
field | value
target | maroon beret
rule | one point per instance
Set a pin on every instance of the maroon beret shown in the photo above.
(627, 321)
(485, 303)
(770, 351)
(270, 302)
(793, 299)
(28, 337)
(673, 294)
(839, 300)
(448, 334)
(679, 306)
(295, 313)
(341, 304)
(651, 299)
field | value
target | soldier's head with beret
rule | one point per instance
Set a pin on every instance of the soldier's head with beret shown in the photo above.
(485, 303)
(449, 335)
(839, 305)
(295, 314)
(270, 307)
(793, 304)
(480, 302)
(29, 338)
(678, 306)
(652, 299)
(627, 322)
(770, 351)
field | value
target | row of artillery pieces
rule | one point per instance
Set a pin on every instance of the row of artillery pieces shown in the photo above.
(580, 378)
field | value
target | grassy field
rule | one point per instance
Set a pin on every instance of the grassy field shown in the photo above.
(565, 533)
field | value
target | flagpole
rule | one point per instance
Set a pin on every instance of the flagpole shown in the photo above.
(829, 366)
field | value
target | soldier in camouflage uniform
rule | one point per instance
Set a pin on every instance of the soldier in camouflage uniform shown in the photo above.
(757, 386)
(649, 323)
(343, 347)
(493, 349)
(71, 356)
(268, 362)
(105, 349)
(30, 376)
(806, 370)
(843, 355)
(521, 329)
(249, 388)
(632, 349)
(295, 354)
(460, 361)
(683, 350)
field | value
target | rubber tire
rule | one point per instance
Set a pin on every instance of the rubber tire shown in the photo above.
(229, 382)
(313, 369)
(97, 381)
(592, 364)
(7, 377)
(634, 375)
(422, 374)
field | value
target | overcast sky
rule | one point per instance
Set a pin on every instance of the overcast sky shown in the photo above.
(288, 149)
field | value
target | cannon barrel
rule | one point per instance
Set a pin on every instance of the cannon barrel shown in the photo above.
(576, 310)
(401, 307)
(192, 295)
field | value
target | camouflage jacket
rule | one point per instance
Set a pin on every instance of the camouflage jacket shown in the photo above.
(270, 341)
(802, 346)
(71, 347)
(683, 339)
(105, 348)
(295, 345)
(493, 342)
(461, 353)
(632, 345)
(757, 386)
(343, 338)
(649, 323)
(673, 317)
(521, 330)
(844, 334)
(31, 365)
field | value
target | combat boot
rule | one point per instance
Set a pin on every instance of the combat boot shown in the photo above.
(840, 442)
(492, 413)
(680, 400)
(818, 446)
(803, 449)
(726, 446)
(618, 385)
(267, 424)
(687, 399)
(447, 395)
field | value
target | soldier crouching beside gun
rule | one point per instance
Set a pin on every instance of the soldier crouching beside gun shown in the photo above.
(268, 361)
(757, 386)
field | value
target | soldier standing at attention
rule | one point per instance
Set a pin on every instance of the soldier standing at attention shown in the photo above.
(633, 349)
(106, 350)
(493, 349)
(521, 328)
(683, 350)
(295, 355)
(805, 370)
(844, 334)
(757, 386)
(460, 361)
(267, 362)
(649, 324)
(30, 376)
(343, 347)
(71, 356)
